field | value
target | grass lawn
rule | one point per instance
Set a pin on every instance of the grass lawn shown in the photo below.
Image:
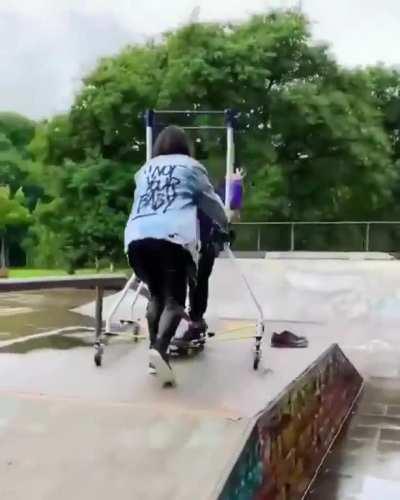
(24, 272)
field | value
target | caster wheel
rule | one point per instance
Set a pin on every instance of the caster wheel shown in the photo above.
(135, 332)
(98, 355)
(256, 362)
(98, 359)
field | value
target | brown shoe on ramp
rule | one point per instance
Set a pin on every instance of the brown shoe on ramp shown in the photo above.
(288, 339)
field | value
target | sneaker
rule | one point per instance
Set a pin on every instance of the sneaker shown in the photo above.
(162, 367)
(288, 339)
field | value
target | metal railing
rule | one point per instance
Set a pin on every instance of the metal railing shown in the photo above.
(356, 236)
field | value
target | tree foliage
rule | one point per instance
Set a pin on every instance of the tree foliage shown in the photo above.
(13, 213)
(319, 142)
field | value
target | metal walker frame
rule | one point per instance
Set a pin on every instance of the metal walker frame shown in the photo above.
(139, 287)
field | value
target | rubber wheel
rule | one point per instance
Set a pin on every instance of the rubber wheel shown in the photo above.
(135, 332)
(256, 362)
(97, 359)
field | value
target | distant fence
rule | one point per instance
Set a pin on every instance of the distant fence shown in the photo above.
(339, 236)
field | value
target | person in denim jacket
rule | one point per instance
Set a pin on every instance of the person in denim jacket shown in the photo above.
(162, 235)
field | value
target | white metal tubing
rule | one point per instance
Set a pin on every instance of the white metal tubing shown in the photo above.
(121, 298)
(311, 223)
(229, 168)
(203, 127)
(135, 298)
(149, 133)
(188, 112)
(149, 142)
(247, 284)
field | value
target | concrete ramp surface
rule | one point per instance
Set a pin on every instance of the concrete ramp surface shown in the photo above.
(70, 430)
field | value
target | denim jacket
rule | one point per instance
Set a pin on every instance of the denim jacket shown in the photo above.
(169, 191)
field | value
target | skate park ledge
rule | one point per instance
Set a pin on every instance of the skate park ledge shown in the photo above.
(291, 438)
(300, 255)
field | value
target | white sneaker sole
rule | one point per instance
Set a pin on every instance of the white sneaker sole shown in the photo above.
(164, 372)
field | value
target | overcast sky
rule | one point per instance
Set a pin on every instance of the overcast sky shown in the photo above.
(46, 46)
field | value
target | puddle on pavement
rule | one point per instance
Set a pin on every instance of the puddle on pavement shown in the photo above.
(365, 462)
(29, 313)
(55, 342)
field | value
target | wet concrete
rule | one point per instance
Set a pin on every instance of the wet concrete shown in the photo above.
(98, 433)
(220, 380)
(28, 313)
(64, 450)
(56, 341)
(354, 303)
(365, 462)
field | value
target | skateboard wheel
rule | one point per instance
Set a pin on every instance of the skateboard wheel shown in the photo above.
(256, 362)
(98, 359)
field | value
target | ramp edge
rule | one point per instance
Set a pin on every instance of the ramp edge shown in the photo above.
(291, 438)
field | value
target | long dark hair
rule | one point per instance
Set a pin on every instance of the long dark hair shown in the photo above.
(172, 141)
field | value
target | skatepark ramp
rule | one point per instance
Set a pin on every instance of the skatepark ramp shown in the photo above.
(71, 430)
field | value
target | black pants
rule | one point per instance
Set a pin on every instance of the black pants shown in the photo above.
(198, 292)
(165, 268)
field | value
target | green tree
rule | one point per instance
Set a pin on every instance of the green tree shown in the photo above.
(13, 213)
(246, 66)
(334, 152)
(16, 168)
(201, 65)
(18, 129)
(317, 141)
(384, 87)
(89, 204)
(106, 118)
(53, 142)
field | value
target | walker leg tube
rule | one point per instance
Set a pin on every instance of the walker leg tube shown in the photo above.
(98, 344)
(230, 158)
(119, 300)
(99, 311)
(247, 284)
(149, 133)
(135, 298)
(260, 324)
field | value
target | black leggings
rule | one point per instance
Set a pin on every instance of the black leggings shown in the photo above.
(198, 292)
(165, 268)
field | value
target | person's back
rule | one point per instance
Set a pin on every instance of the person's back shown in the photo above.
(165, 205)
(162, 237)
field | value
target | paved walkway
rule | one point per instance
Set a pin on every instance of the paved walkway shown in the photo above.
(365, 464)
